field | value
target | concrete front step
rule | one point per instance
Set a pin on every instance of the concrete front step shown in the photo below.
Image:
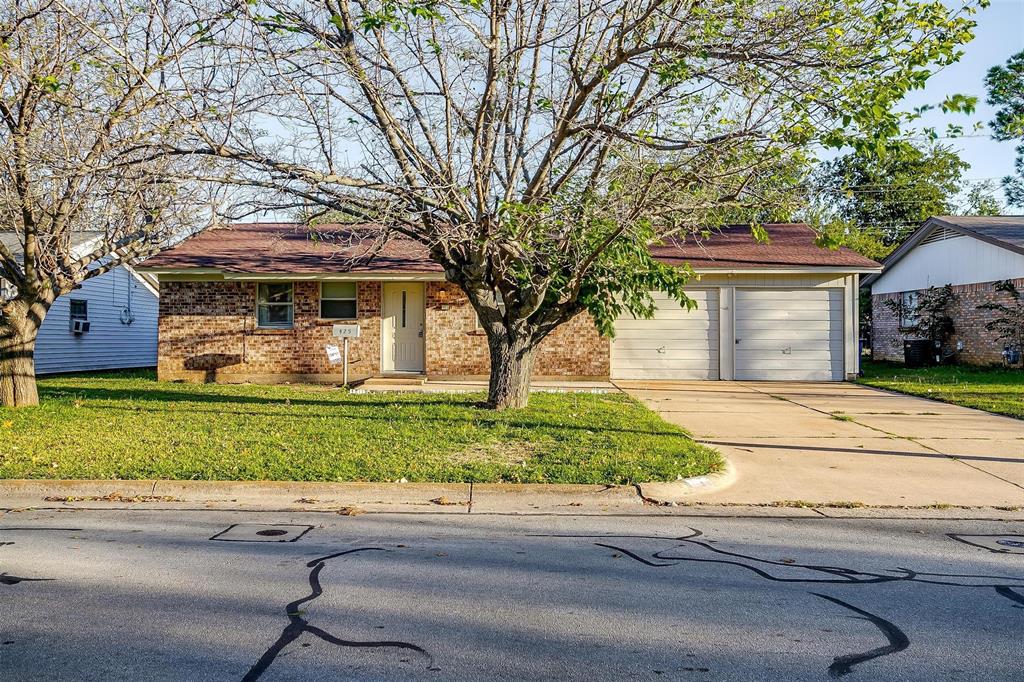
(389, 381)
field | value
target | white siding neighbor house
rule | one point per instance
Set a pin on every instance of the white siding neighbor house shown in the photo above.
(121, 308)
(972, 254)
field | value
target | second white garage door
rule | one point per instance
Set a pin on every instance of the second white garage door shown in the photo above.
(676, 344)
(789, 334)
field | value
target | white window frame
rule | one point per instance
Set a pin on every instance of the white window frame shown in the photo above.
(908, 309)
(71, 304)
(290, 305)
(354, 299)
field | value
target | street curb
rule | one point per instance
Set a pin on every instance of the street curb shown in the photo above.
(683, 490)
(320, 496)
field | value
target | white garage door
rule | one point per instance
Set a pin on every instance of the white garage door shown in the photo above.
(789, 334)
(676, 344)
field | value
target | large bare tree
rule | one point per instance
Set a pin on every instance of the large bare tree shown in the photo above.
(87, 87)
(538, 147)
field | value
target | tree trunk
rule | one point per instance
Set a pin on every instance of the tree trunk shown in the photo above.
(511, 371)
(17, 363)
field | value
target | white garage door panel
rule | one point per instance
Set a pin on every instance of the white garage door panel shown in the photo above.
(665, 345)
(788, 330)
(692, 328)
(698, 365)
(676, 344)
(789, 335)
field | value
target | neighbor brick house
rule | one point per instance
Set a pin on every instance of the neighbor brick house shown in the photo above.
(971, 253)
(258, 302)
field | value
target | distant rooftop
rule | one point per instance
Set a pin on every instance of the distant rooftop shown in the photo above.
(1007, 229)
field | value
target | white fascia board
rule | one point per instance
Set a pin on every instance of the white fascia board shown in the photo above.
(177, 271)
(786, 271)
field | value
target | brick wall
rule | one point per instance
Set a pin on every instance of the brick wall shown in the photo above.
(207, 333)
(455, 347)
(981, 347)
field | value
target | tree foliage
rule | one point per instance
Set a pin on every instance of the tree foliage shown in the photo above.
(1005, 84)
(885, 198)
(538, 147)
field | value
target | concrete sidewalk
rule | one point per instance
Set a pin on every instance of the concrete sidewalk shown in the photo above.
(846, 442)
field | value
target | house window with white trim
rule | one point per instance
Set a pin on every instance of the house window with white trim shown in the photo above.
(79, 309)
(275, 305)
(908, 310)
(338, 301)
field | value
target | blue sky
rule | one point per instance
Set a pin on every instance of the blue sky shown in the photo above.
(1000, 33)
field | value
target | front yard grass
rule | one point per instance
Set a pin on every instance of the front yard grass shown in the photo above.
(992, 389)
(128, 425)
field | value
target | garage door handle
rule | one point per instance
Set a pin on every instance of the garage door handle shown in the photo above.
(662, 350)
(738, 340)
(787, 350)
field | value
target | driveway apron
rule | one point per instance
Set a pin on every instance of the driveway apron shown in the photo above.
(842, 442)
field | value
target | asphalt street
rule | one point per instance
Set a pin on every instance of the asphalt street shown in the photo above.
(216, 595)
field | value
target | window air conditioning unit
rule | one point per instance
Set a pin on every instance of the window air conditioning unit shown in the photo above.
(79, 326)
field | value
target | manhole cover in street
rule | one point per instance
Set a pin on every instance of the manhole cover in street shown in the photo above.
(1003, 544)
(262, 532)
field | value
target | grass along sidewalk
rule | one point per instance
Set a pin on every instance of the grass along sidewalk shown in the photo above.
(991, 389)
(130, 426)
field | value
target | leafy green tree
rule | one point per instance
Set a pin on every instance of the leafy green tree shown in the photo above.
(538, 147)
(981, 200)
(1005, 85)
(882, 199)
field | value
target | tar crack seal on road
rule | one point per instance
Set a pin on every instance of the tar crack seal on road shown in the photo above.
(830, 575)
(898, 640)
(297, 625)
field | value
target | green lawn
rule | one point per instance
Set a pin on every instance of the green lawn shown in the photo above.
(128, 425)
(990, 389)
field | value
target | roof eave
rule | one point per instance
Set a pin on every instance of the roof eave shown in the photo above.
(389, 275)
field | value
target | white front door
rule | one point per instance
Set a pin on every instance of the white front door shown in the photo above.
(402, 327)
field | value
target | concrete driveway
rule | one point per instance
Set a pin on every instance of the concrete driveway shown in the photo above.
(846, 442)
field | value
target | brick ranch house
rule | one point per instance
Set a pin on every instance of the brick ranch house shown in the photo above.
(972, 253)
(257, 302)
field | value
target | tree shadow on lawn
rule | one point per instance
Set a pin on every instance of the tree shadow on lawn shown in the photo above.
(344, 408)
(476, 421)
(165, 395)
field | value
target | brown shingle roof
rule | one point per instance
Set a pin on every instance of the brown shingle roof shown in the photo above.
(279, 248)
(733, 247)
